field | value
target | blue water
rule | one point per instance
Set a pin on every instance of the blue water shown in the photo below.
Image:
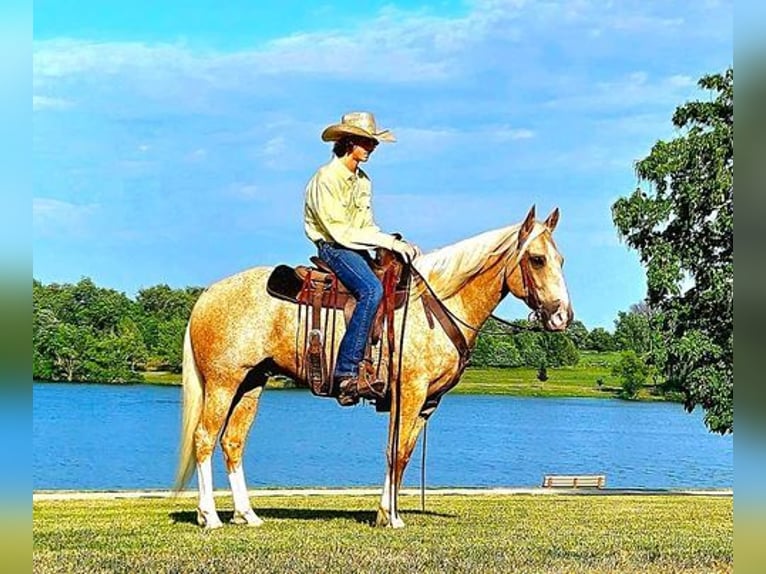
(122, 437)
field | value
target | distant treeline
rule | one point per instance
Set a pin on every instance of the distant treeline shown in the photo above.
(87, 333)
(83, 332)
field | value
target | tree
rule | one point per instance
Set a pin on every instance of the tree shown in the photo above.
(632, 332)
(170, 342)
(632, 372)
(495, 351)
(530, 348)
(559, 350)
(599, 339)
(578, 334)
(681, 224)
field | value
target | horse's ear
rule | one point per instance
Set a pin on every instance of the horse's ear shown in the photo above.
(527, 226)
(553, 220)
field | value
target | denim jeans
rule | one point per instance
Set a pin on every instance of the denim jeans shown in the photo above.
(354, 272)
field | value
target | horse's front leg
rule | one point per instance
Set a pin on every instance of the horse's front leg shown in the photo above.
(410, 424)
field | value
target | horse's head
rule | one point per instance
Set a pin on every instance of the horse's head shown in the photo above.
(538, 279)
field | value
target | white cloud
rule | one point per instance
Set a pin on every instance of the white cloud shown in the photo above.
(53, 217)
(507, 133)
(635, 89)
(197, 155)
(397, 46)
(48, 103)
(246, 191)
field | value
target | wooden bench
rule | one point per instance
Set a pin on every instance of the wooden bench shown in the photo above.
(574, 481)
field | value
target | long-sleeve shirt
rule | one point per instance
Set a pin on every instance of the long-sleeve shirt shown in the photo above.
(338, 208)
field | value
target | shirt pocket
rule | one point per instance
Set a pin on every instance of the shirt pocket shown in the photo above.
(362, 198)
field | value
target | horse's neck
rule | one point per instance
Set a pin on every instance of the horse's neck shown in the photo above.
(478, 299)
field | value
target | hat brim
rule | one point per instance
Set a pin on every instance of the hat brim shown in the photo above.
(335, 132)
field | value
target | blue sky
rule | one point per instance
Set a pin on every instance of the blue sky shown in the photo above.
(173, 145)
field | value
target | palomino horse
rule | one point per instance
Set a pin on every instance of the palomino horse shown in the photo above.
(238, 334)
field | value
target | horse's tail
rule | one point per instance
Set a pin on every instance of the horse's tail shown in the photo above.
(192, 408)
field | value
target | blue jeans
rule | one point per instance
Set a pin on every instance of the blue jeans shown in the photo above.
(354, 272)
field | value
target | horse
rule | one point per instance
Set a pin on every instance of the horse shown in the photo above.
(238, 335)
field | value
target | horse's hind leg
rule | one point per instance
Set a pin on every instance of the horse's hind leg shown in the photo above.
(214, 410)
(233, 444)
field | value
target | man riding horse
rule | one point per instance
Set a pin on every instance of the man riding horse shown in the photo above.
(338, 220)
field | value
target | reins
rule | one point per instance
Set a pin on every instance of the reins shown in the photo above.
(536, 312)
(398, 418)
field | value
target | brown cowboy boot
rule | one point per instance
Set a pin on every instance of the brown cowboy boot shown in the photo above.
(368, 386)
(362, 386)
(347, 391)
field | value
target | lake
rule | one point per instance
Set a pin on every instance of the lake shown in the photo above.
(91, 436)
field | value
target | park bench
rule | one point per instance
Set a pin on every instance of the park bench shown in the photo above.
(574, 481)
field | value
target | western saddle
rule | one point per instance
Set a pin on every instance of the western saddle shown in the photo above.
(316, 289)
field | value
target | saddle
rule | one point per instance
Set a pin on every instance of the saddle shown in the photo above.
(317, 289)
(306, 284)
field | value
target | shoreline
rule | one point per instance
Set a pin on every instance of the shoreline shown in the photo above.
(62, 495)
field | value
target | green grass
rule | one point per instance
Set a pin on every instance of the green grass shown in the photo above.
(577, 381)
(496, 533)
(166, 378)
(162, 378)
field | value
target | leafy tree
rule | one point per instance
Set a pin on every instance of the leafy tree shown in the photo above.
(69, 348)
(532, 352)
(165, 303)
(682, 226)
(170, 338)
(632, 332)
(495, 351)
(83, 332)
(559, 350)
(98, 308)
(599, 339)
(632, 372)
(578, 334)
(44, 324)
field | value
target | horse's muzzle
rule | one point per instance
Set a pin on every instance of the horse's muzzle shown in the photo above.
(556, 317)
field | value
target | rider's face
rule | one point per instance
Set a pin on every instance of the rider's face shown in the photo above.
(362, 149)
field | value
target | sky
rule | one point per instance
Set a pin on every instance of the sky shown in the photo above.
(173, 145)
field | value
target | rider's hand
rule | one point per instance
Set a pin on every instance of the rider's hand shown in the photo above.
(406, 250)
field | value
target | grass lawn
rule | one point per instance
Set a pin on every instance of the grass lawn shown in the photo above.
(580, 380)
(577, 381)
(487, 533)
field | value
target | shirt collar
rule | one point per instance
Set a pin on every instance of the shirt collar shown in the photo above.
(340, 168)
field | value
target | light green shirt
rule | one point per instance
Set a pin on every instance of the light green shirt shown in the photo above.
(338, 208)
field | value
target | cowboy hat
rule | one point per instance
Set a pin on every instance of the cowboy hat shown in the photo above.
(357, 124)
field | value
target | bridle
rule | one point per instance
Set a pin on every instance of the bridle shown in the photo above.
(530, 298)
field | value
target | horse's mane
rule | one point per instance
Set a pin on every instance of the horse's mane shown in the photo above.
(448, 269)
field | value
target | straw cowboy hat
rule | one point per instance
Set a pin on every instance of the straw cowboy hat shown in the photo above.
(357, 124)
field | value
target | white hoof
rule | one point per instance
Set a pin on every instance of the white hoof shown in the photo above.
(208, 519)
(249, 517)
(385, 520)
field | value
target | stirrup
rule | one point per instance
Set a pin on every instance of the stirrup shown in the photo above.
(316, 372)
(348, 393)
(368, 386)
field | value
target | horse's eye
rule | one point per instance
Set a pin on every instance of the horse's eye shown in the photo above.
(537, 260)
